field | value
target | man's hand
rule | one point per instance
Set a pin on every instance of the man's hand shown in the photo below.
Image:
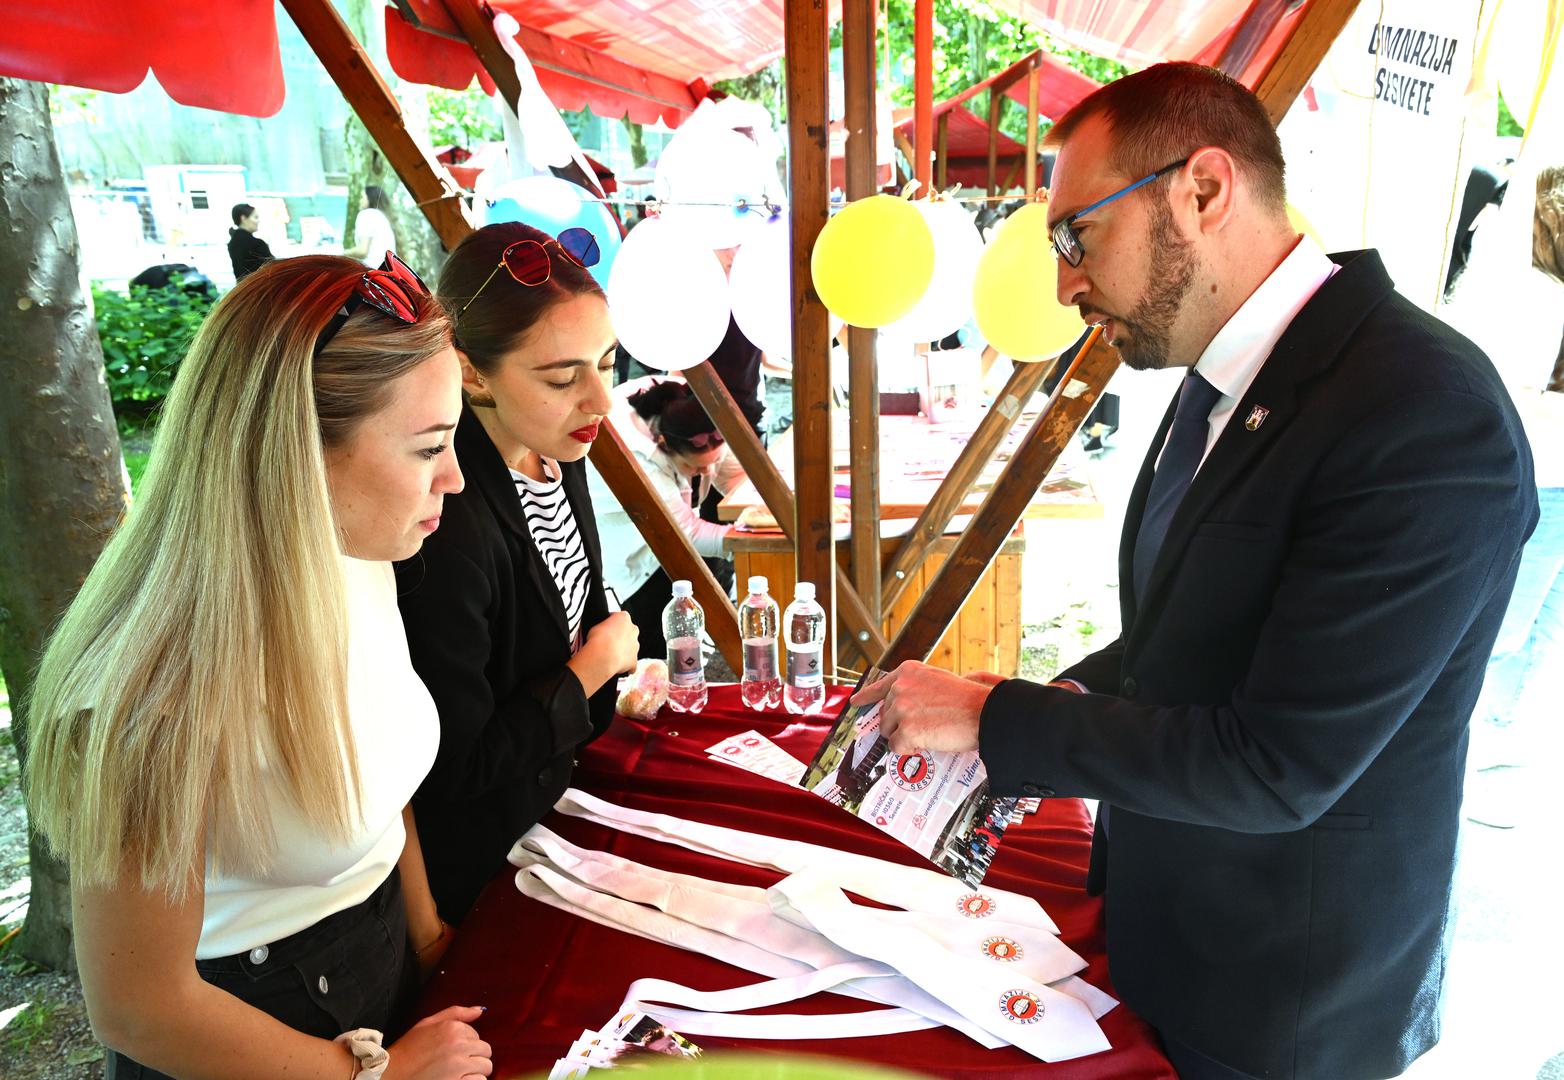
(926, 708)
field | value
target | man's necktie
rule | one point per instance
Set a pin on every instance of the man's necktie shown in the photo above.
(1181, 454)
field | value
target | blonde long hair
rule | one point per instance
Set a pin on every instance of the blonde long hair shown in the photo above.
(208, 645)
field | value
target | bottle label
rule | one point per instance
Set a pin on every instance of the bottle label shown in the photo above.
(803, 666)
(760, 660)
(684, 662)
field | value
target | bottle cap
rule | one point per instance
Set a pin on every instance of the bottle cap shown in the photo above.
(683, 588)
(804, 590)
(757, 585)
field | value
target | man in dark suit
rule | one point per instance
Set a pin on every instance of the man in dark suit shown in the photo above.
(1315, 561)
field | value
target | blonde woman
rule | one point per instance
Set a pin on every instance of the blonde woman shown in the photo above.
(226, 726)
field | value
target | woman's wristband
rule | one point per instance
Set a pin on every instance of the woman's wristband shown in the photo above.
(445, 932)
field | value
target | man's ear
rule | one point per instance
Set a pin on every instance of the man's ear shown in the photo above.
(1214, 174)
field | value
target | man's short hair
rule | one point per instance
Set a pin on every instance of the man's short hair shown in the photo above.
(1170, 110)
(242, 211)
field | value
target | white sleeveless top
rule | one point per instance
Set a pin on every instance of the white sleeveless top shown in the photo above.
(397, 731)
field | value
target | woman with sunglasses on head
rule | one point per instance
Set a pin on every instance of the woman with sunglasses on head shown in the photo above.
(683, 455)
(506, 614)
(226, 729)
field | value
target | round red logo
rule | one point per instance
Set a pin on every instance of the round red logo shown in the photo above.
(976, 905)
(1021, 1007)
(912, 772)
(1002, 948)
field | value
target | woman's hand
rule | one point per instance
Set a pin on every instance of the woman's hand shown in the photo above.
(610, 649)
(441, 1047)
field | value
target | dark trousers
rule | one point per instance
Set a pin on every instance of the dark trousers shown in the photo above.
(352, 969)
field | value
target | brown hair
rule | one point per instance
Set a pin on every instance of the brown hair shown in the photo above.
(208, 646)
(492, 319)
(1170, 110)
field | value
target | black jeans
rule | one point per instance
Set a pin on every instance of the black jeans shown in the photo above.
(350, 970)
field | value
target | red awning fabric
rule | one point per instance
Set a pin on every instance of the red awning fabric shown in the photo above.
(214, 56)
(1144, 32)
(966, 146)
(1059, 87)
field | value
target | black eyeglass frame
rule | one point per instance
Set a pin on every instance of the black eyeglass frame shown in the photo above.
(1067, 242)
(378, 289)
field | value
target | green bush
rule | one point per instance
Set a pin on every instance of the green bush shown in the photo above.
(145, 334)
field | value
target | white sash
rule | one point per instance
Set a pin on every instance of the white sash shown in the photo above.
(912, 888)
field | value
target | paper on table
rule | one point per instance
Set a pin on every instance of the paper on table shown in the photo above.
(754, 752)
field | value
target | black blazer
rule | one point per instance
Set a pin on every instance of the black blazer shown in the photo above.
(1281, 730)
(487, 632)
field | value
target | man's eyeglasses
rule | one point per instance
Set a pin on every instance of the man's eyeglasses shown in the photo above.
(528, 260)
(1067, 242)
(393, 290)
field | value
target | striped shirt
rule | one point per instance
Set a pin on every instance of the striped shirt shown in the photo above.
(554, 531)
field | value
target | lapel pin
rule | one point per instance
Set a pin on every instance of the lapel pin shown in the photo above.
(1257, 417)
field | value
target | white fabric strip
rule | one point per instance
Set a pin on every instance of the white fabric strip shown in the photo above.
(1047, 1024)
(727, 920)
(908, 887)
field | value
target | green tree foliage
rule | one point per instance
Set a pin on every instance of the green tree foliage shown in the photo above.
(462, 117)
(145, 334)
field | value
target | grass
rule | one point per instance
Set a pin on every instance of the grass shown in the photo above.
(136, 464)
(28, 1026)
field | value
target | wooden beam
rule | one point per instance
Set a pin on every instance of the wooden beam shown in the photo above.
(1290, 69)
(923, 91)
(778, 497)
(952, 492)
(863, 377)
(995, 100)
(1015, 171)
(941, 150)
(1067, 407)
(479, 32)
(806, 49)
(1031, 132)
(624, 477)
(368, 95)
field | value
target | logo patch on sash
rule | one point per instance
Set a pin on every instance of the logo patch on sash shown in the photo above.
(1002, 948)
(1020, 1007)
(912, 772)
(976, 905)
(1257, 417)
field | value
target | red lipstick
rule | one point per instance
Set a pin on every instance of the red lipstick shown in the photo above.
(586, 434)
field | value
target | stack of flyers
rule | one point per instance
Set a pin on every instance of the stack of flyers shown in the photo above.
(631, 1036)
(937, 804)
(753, 751)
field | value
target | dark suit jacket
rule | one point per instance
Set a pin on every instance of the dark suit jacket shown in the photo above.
(487, 632)
(1281, 729)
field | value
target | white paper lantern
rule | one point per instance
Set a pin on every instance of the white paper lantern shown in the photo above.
(667, 297)
(702, 176)
(946, 306)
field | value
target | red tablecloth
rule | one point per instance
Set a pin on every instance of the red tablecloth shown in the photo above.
(545, 975)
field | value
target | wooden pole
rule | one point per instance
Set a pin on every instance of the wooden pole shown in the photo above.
(923, 92)
(805, 45)
(952, 492)
(863, 378)
(624, 477)
(778, 497)
(1289, 71)
(942, 151)
(995, 100)
(1069, 404)
(1031, 132)
(367, 93)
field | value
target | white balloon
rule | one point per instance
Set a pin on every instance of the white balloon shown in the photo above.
(760, 287)
(946, 305)
(667, 297)
(702, 176)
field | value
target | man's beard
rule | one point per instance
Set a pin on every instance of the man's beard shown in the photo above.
(1144, 337)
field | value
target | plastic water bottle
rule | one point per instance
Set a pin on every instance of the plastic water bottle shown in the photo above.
(758, 619)
(683, 624)
(803, 627)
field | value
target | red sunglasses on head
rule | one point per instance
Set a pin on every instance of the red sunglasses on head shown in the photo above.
(393, 290)
(528, 262)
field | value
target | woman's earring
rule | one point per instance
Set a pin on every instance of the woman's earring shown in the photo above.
(481, 399)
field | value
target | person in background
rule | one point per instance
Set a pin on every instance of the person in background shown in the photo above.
(1316, 559)
(506, 615)
(225, 729)
(246, 251)
(371, 228)
(684, 457)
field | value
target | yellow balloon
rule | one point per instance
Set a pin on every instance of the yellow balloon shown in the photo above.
(873, 261)
(1015, 293)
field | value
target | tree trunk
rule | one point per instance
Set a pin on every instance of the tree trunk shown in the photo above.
(416, 241)
(62, 482)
